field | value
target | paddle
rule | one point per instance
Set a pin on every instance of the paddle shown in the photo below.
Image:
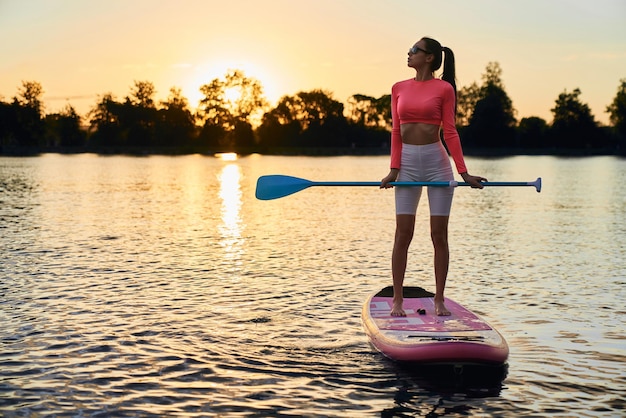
(276, 186)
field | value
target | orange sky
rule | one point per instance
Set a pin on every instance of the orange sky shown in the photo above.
(81, 49)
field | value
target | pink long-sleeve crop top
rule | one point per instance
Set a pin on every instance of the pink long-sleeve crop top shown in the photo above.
(431, 102)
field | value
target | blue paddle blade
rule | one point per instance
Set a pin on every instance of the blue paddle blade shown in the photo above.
(277, 186)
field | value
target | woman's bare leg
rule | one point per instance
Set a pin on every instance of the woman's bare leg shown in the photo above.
(405, 226)
(439, 235)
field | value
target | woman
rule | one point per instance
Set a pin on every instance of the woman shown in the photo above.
(421, 106)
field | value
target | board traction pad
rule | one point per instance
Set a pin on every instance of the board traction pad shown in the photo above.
(417, 299)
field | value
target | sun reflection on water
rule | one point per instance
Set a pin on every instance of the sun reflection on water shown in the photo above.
(227, 156)
(230, 228)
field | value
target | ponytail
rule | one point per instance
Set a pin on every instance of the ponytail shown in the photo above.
(449, 70)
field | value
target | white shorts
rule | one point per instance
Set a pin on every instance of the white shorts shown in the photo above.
(424, 163)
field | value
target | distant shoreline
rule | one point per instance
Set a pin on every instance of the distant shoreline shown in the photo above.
(296, 151)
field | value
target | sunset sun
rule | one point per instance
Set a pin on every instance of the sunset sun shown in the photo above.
(206, 72)
(232, 94)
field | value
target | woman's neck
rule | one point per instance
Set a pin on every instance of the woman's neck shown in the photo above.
(423, 76)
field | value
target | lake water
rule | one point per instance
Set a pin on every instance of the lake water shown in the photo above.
(159, 286)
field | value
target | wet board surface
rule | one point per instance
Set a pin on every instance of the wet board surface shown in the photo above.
(422, 336)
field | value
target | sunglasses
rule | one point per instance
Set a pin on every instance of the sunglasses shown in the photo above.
(415, 49)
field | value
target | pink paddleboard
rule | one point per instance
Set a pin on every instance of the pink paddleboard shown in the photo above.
(422, 336)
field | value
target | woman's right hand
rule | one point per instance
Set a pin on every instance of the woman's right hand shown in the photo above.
(474, 181)
(391, 177)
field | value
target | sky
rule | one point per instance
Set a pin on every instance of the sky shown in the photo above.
(80, 50)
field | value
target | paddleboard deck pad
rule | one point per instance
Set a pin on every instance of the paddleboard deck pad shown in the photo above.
(422, 336)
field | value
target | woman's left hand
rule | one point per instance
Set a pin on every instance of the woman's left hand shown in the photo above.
(474, 181)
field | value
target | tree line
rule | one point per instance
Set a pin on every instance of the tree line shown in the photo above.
(235, 116)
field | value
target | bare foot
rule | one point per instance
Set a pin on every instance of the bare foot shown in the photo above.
(440, 309)
(397, 309)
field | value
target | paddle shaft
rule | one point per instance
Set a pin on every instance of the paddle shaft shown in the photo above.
(377, 183)
(452, 183)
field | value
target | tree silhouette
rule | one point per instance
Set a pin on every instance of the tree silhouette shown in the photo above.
(104, 120)
(492, 123)
(279, 127)
(532, 132)
(308, 119)
(176, 124)
(229, 105)
(29, 127)
(138, 116)
(8, 127)
(29, 95)
(617, 111)
(63, 129)
(369, 120)
(142, 94)
(466, 101)
(573, 125)
(367, 111)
